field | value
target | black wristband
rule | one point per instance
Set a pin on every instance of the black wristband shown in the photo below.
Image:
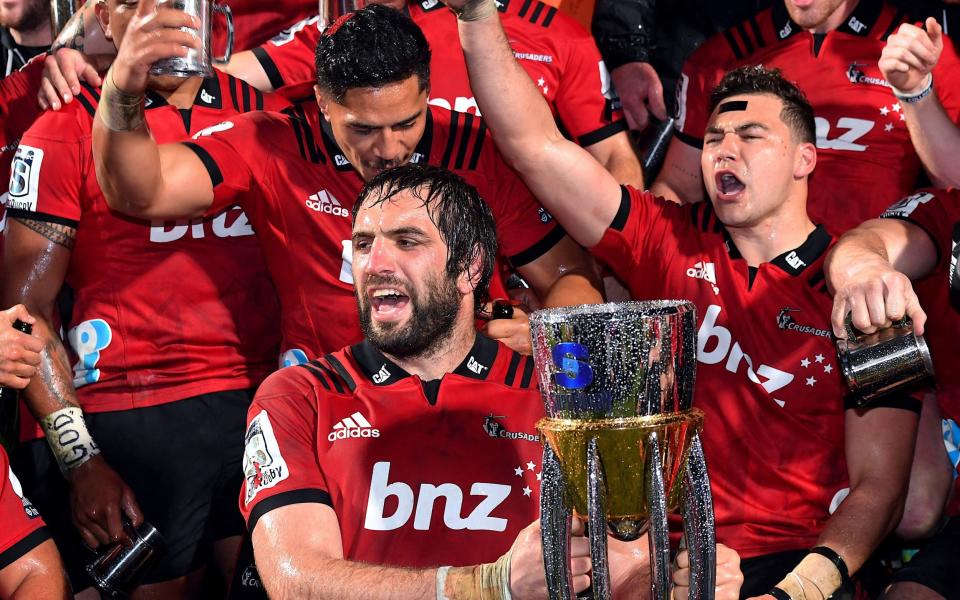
(837, 560)
(779, 594)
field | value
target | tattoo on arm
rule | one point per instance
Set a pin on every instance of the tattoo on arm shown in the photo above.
(71, 37)
(62, 235)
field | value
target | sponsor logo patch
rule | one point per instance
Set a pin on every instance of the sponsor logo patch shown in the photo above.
(263, 465)
(354, 426)
(905, 207)
(495, 429)
(25, 178)
(786, 321)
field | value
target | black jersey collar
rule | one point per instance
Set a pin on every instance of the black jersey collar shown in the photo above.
(860, 22)
(208, 95)
(382, 371)
(793, 262)
(420, 155)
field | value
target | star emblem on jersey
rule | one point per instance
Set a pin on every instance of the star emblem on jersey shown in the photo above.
(521, 472)
(811, 381)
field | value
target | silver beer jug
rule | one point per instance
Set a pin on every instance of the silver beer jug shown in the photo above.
(197, 63)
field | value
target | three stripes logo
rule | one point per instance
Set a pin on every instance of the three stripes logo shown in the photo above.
(354, 426)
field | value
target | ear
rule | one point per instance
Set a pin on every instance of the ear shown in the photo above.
(468, 281)
(805, 160)
(322, 101)
(102, 12)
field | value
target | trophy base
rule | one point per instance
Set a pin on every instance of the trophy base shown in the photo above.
(622, 445)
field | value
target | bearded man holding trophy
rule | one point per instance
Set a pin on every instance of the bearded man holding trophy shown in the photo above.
(804, 487)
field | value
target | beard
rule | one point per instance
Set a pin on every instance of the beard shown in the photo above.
(433, 314)
(34, 14)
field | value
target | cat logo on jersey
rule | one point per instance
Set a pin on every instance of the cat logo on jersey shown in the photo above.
(263, 465)
(25, 178)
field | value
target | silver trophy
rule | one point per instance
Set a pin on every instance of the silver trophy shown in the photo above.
(197, 62)
(331, 10)
(622, 438)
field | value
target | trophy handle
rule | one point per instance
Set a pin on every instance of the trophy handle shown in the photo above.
(597, 524)
(555, 519)
(658, 532)
(698, 524)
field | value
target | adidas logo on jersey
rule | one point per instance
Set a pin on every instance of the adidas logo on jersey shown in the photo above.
(325, 202)
(354, 426)
(705, 271)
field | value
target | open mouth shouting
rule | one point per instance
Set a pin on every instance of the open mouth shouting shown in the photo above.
(387, 303)
(729, 186)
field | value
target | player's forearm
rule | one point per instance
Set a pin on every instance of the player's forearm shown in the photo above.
(617, 156)
(337, 579)
(127, 162)
(573, 288)
(244, 65)
(512, 106)
(936, 138)
(856, 249)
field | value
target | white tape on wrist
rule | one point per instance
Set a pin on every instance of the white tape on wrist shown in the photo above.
(69, 438)
(442, 583)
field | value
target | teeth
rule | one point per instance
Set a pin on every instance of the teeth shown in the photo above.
(382, 293)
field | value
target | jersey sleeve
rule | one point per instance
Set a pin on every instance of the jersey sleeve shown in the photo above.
(642, 233)
(288, 59)
(51, 166)
(234, 154)
(280, 463)
(23, 529)
(586, 101)
(933, 211)
(525, 230)
(702, 71)
(18, 100)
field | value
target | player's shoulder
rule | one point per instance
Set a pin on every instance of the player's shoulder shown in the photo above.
(534, 16)
(756, 34)
(73, 121)
(513, 370)
(239, 95)
(318, 377)
(460, 140)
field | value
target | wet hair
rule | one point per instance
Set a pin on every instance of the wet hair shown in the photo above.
(464, 220)
(371, 47)
(796, 113)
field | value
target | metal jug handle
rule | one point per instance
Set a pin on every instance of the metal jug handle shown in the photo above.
(228, 14)
(856, 336)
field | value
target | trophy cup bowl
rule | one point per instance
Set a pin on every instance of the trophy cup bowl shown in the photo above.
(621, 436)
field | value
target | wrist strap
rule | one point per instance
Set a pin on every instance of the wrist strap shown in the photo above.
(779, 594)
(837, 560)
(67, 435)
(915, 97)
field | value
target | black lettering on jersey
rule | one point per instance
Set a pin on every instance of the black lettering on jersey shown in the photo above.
(474, 130)
(306, 143)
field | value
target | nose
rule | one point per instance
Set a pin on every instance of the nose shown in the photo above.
(728, 148)
(389, 146)
(381, 259)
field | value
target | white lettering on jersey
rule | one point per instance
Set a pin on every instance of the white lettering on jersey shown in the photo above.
(682, 85)
(88, 340)
(460, 104)
(906, 206)
(346, 267)
(474, 366)
(325, 202)
(263, 465)
(706, 271)
(479, 520)
(382, 375)
(213, 129)
(25, 178)
(794, 261)
(773, 379)
(856, 25)
(856, 129)
(162, 232)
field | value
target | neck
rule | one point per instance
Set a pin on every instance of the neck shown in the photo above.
(37, 37)
(446, 356)
(183, 95)
(837, 17)
(781, 232)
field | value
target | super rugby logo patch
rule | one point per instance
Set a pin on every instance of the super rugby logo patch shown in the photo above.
(263, 465)
(25, 178)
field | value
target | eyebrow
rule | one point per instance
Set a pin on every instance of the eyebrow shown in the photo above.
(407, 121)
(738, 128)
(399, 231)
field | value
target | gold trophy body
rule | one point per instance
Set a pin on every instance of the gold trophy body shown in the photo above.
(622, 445)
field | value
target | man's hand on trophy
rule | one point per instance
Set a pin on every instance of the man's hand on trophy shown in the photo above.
(729, 575)
(154, 32)
(527, 578)
(874, 297)
(629, 565)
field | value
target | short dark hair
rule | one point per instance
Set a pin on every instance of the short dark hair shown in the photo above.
(464, 220)
(371, 47)
(797, 112)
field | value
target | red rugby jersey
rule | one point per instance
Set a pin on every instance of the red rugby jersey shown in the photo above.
(938, 213)
(18, 110)
(23, 529)
(419, 473)
(255, 21)
(298, 188)
(163, 311)
(865, 158)
(554, 49)
(768, 378)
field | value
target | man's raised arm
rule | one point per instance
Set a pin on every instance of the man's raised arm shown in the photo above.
(138, 177)
(564, 177)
